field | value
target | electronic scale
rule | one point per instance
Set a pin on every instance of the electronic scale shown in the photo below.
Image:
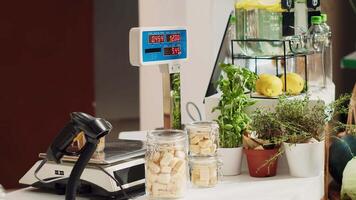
(68, 169)
(118, 170)
(123, 160)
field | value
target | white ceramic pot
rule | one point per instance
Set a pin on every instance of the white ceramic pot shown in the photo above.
(305, 160)
(231, 160)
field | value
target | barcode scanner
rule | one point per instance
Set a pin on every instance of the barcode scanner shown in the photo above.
(93, 129)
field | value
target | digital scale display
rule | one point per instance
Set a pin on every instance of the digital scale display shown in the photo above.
(164, 45)
(172, 51)
(160, 38)
(156, 39)
(173, 37)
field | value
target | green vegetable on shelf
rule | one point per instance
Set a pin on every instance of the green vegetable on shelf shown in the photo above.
(348, 190)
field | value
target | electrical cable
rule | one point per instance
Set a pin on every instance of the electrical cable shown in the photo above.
(189, 113)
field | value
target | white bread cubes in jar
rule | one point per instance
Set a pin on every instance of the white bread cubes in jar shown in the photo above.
(203, 138)
(204, 172)
(166, 164)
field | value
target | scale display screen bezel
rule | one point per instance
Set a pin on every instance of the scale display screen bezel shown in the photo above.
(155, 50)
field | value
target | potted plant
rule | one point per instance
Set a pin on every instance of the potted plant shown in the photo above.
(304, 122)
(233, 119)
(262, 145)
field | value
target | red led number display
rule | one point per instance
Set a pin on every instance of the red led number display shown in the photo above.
(176, 50)
(172, 51)
(156, 38)
(173, 37)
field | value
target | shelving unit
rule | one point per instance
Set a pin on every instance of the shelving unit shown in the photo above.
(287, 54)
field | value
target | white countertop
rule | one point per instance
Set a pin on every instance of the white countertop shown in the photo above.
(243, 187)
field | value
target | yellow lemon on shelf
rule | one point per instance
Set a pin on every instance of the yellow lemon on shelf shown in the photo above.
(269, 85)
(295, 83)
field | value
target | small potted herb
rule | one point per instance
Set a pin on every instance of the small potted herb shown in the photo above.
(233, 120)
(262, 145)
(304, 122)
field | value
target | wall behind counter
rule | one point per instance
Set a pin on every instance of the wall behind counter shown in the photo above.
(46, 72)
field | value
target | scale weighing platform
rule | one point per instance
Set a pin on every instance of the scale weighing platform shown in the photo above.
(123, 160)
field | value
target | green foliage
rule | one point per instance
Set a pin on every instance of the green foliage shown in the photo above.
(302, 119)
(176, 101)
(233, 120)
(267, 126)
(338, 108)
(298, 120)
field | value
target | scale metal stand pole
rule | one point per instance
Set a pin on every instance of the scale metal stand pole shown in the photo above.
(171, 95)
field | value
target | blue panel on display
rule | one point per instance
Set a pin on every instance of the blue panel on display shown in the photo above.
(164, 45)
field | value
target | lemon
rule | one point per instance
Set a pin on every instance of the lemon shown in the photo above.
(295, 83)
(260, 81)
(269, 85)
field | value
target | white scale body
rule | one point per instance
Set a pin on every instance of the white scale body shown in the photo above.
(91, 175)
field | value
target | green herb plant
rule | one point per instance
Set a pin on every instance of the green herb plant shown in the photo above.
(233, 119)
(267, 127)
(302, 119)
(176, 101)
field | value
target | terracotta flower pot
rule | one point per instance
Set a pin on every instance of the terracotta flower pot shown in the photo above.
(257, 162)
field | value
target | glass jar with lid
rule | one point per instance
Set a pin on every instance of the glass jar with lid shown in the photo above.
(203, 138)
(166, 167)
(205, 171)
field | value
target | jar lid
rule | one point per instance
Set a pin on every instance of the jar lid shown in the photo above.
(205, 160)
(166, 135)
(204, 125)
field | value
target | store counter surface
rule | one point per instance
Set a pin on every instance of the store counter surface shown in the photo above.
(244, 187)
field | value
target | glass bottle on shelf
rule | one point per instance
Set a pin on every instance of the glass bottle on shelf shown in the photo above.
(316, 33)
(327, 56)
(316, 68)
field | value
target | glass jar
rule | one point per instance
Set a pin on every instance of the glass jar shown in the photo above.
(269, 25)
(205, 171)
(166, 164)
(203, 138)
(258, 20)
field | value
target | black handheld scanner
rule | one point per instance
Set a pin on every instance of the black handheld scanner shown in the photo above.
(93, 128)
